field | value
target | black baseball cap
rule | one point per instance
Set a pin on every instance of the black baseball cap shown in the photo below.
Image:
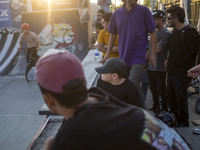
(159, 14)
(113, 65)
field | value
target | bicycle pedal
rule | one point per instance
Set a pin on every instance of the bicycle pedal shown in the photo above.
(196, 131)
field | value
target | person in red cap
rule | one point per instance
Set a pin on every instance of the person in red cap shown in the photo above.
(94, 119)
(32, 41)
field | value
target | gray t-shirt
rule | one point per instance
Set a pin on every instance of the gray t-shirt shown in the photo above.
(162, 36)
(32, 39)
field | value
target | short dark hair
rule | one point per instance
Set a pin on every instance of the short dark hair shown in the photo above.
(177, 12)
(107, 17)
(74, 93)
(101, 11)
(98, 24)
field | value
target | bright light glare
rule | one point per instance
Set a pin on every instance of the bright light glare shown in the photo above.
(49, 13)
(49, 2)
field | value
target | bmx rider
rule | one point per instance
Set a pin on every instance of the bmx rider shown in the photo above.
(32, 40)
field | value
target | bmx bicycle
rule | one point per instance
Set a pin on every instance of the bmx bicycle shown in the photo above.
(31, 62)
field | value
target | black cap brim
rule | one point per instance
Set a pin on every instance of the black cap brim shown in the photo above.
(102, 70)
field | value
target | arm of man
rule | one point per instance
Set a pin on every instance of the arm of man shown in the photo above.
(153, 47)
(38, 42)
(194, 71)
(20, 42)
(115, 49)
(101, 47)
(111, 43)
(193, 43)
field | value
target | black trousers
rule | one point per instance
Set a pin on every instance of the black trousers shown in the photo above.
(177, 86)
(157, 85)
(33, 53)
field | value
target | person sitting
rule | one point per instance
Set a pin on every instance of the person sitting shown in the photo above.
(94, 119)
(113, 80)
(103, 38)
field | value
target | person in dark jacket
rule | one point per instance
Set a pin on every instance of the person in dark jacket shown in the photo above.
(183, 49)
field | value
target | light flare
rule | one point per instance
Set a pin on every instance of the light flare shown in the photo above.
(49, 12)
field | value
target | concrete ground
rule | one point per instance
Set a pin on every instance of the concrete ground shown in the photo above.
(19, 118)
(20, 102)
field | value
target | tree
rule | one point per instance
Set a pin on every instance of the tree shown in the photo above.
(147, 3)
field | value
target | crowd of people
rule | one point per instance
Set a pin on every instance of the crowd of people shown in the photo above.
(163, 61)
(113, 114)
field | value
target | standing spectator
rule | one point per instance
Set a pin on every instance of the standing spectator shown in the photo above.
(17, 8)
(105, 5)
(98, 26)
(157, 76)
(132, 22)
(183, 48)
(103, 38)
(100, 13)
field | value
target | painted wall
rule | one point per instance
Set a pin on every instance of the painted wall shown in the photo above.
(59, 29)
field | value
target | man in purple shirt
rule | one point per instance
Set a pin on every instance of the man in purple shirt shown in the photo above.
(132, 22)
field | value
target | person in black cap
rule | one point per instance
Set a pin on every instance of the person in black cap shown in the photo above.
(113, 80)
(157, 76)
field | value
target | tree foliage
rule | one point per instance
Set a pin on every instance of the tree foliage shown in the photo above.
(147, 3)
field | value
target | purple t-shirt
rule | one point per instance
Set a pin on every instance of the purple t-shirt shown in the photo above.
(133, 27)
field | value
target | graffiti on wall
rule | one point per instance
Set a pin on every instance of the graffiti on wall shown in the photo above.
(60, 30)
(60, 36)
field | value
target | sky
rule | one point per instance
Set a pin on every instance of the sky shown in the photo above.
(113, 1)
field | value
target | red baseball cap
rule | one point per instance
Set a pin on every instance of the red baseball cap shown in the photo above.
(25, 26)
(56, 68)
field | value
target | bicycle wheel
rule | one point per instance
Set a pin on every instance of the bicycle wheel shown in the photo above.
(197, 105)
(28, 68)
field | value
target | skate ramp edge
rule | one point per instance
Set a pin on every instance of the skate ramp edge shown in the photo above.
(8, 55)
